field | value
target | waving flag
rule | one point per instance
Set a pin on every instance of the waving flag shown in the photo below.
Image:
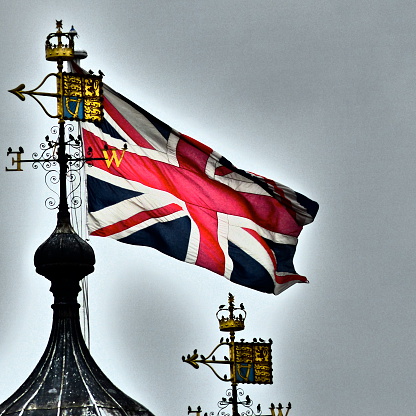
(162, 189)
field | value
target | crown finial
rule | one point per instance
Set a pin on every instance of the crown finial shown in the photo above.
(231, 321)
(59, 45)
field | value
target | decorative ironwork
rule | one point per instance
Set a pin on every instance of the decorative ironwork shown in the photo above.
(249, 363)
(47, 159)
(226, 406)
(247, 403)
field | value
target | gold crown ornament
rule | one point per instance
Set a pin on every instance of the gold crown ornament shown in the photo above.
(227, 317)
(59, 45)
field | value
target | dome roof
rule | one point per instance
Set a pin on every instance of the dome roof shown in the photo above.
(67, 381)
(64, 252)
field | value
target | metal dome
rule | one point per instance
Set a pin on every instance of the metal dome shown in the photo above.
(67, 381)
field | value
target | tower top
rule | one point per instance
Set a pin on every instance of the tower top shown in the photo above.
(67, 381)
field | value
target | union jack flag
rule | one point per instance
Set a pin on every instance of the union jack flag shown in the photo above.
(160, 188)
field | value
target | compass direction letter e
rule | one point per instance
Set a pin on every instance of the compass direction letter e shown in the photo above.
(17, 161)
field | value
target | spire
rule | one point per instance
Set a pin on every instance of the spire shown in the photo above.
(66, 381)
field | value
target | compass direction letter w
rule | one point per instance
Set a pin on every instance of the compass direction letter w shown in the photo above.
(114, 157)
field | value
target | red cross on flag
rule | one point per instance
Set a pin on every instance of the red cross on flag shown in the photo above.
(168, 191)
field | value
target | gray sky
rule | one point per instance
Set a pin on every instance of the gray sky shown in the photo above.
(317, 95)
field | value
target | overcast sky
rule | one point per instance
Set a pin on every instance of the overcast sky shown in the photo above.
(317, 95)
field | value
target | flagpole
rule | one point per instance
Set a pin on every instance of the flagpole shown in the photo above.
(63, 212)
(234, 383)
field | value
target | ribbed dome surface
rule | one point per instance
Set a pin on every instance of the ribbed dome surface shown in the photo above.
(67, 381)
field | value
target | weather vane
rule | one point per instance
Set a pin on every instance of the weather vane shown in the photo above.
(249, 363)
(79, 98)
